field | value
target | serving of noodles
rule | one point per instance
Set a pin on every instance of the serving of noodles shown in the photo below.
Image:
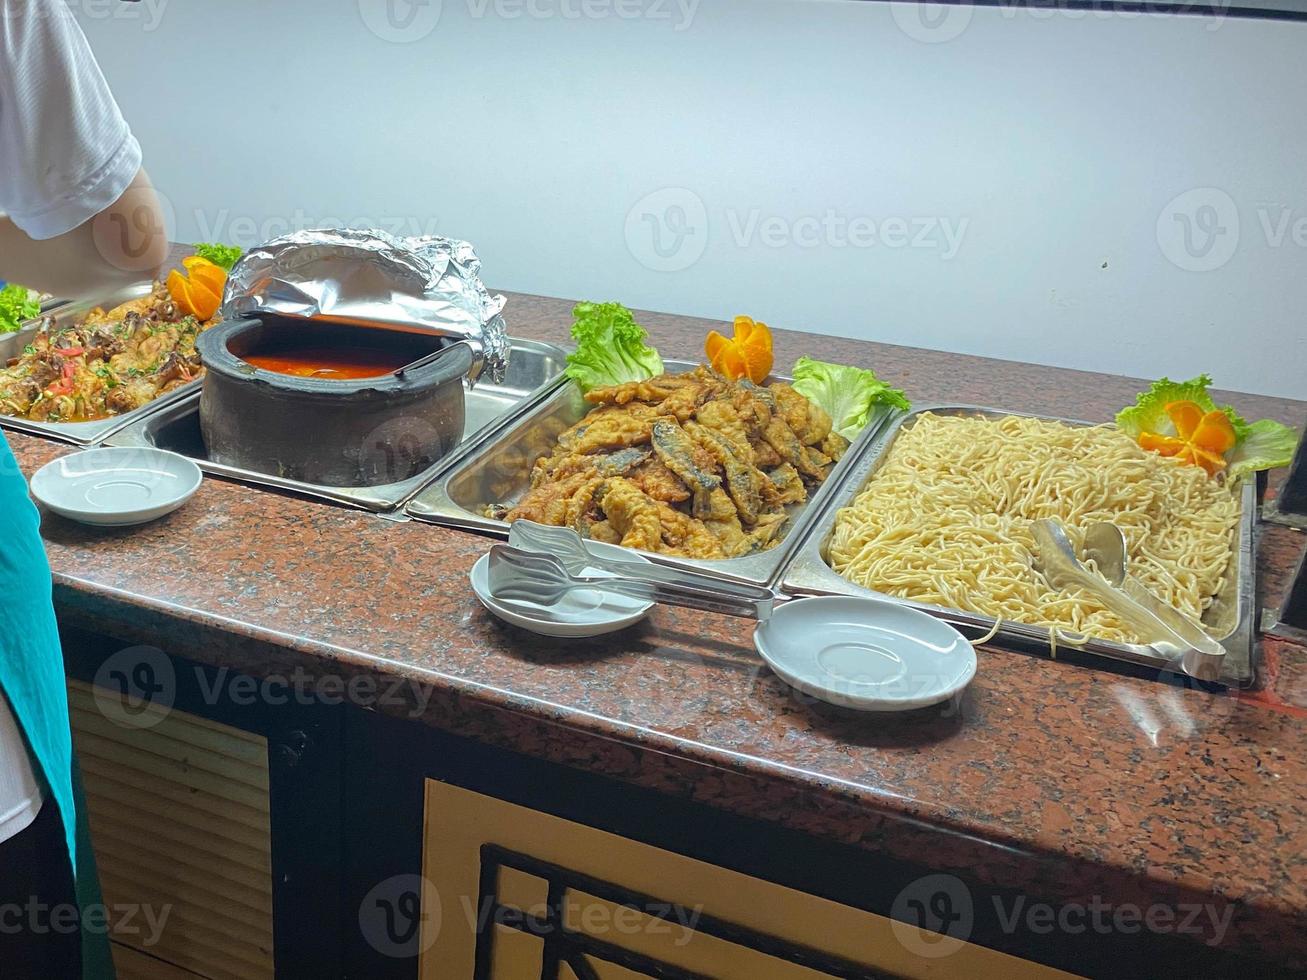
(946, 519)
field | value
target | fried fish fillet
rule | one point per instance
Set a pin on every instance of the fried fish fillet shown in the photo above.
(688, 464)
(684, 457)
(651, 525)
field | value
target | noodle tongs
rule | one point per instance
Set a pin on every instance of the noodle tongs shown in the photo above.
(1197, 653)
(518, 575)
(1105, 544)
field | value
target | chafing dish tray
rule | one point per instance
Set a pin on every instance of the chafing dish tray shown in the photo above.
(82, 433)
(1230, 618)
(534, 370)
(498, 471)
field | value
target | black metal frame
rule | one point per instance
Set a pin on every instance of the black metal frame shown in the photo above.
(563, 945)
(1287, 10)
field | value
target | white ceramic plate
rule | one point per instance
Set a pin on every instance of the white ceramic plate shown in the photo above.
(582, 612)
(116, 486)
(869, 654)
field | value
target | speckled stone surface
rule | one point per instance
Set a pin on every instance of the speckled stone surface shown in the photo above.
(1061, 780)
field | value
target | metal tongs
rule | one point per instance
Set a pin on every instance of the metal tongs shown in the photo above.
(541, 564)
(1163, 627)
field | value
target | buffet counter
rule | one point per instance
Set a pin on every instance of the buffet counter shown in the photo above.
(1051, 780)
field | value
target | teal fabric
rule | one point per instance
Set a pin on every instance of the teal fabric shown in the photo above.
(32, 677)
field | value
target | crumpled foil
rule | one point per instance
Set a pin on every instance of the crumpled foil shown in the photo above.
(427, 284)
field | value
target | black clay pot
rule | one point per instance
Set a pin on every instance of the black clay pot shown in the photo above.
(356, 433)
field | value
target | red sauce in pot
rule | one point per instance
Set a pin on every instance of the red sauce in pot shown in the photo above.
(331, 363)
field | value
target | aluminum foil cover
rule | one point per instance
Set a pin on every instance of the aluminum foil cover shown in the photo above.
(361, 276)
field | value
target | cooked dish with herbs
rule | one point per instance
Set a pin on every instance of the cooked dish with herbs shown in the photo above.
(688, 464)
(110, 363)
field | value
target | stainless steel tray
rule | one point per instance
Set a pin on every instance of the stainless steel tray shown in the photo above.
(1230, 618)
(498, 471)
(534, 370)
(82, 433)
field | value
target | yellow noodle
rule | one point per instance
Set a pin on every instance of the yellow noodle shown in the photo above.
(946, 520)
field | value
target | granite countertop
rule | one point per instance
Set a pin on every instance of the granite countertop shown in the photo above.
(1054, 778)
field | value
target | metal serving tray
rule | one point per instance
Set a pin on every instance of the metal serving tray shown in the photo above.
(534, 370)
(82, 433)
(1230, 618)
(498, 471)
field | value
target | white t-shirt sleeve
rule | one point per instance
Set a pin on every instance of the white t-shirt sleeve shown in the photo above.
(66, 153)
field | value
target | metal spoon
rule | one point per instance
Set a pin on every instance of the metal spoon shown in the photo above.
(1105, 544)
(529, 576)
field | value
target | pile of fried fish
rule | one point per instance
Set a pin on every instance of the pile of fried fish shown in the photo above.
(686, 464)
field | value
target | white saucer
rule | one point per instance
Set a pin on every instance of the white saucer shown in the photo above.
(116, 486)
(582, 612)
(869, 654)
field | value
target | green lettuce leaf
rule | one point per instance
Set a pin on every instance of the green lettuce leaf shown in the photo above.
(1266, 445)
(610, 347)
(1148, 414)
(223, 255)
(1261, 445)
(17, 303)
(853, 397)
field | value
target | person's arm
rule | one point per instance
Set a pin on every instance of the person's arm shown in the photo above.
(77, 212)
(124, 243)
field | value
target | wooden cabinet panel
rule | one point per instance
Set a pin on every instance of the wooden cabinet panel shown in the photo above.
(179, 816)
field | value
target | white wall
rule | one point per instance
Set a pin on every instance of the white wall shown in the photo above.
(1052, 143)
